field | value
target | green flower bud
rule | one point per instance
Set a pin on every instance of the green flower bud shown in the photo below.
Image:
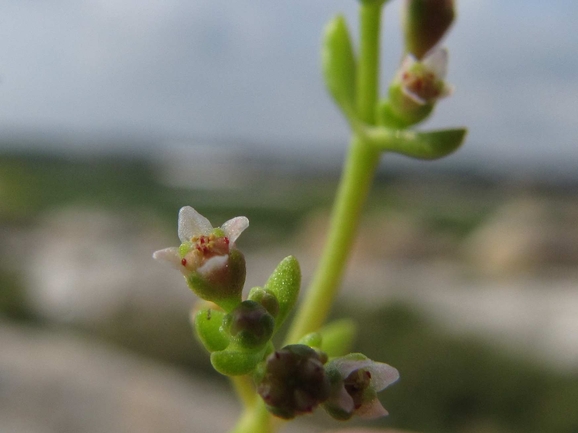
(293, 381)
(249, 325)
(425, 23)
(266, 298)
(414, 91)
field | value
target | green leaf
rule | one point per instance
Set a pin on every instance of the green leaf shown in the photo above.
(313, 339)
(338, 60)
(284, 283)
(421, 145)
(208, 326)
(338, 337)
(235, 362)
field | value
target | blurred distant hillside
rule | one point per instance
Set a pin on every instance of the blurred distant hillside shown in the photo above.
(468, 280)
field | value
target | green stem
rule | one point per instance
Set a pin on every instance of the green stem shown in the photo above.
(255, 420)
(353, 189)
(367, 90)
(245, 390)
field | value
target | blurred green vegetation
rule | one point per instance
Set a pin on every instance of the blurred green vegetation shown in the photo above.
(461, 384)
(449, 384)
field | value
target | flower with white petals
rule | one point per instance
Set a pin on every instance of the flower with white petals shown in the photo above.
(423, 81)
(203, 247)
(356, 380)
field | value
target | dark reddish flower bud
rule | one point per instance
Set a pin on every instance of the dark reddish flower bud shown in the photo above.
(293, 381)
(249, 324)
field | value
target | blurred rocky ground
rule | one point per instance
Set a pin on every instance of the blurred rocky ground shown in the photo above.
(95, 335)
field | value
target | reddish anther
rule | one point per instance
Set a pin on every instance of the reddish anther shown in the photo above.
(184, 262)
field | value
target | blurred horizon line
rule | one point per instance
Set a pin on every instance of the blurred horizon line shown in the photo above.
(287, 155)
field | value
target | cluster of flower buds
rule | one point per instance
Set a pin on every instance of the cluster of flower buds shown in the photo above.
(237, 333)
(419, 82)
(293, 381)
(296, 379)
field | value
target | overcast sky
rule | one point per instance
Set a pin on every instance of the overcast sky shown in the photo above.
(250, 70)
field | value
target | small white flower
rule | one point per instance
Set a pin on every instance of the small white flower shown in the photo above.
(423, 81)
(203, 248)
(362, 380)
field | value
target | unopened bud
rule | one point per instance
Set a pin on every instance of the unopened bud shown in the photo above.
(293, 381)
(425, 23)
(249, 324)
(266, 298)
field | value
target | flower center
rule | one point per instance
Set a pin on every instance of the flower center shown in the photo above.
(203, 248)
(422, 83)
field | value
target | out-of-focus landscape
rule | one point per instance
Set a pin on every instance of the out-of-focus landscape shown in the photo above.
(466, 282)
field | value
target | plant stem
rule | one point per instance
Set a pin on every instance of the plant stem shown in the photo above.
(367, 89)
(255, 420)
(354, 186)
(245, 390)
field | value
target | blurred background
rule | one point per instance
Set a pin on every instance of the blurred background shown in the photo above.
(115, 113)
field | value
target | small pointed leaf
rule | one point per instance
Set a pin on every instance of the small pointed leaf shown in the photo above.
(284, 283)
(313, 339)
(421, 145)
(232, 362)
(338, 61)
(208, 326)
(338, 337)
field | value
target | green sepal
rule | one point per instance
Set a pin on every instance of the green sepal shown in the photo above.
(222, 286)
(414, 113)
(236, 361)
(208, 323)
(420, 145)
(313, 339)
(338, 337)
(284, 283)
(339, 65)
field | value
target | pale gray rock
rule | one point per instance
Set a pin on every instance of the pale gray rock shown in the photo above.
(52, 383)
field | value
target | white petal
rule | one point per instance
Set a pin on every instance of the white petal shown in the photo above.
(437, 62)
(344, 400)
(382, 375)
(407, 62)
(234, 227)
(192, 223)
(212, 264)
(415, 98)
(371, 410)
(169, 255)
(348, 366)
